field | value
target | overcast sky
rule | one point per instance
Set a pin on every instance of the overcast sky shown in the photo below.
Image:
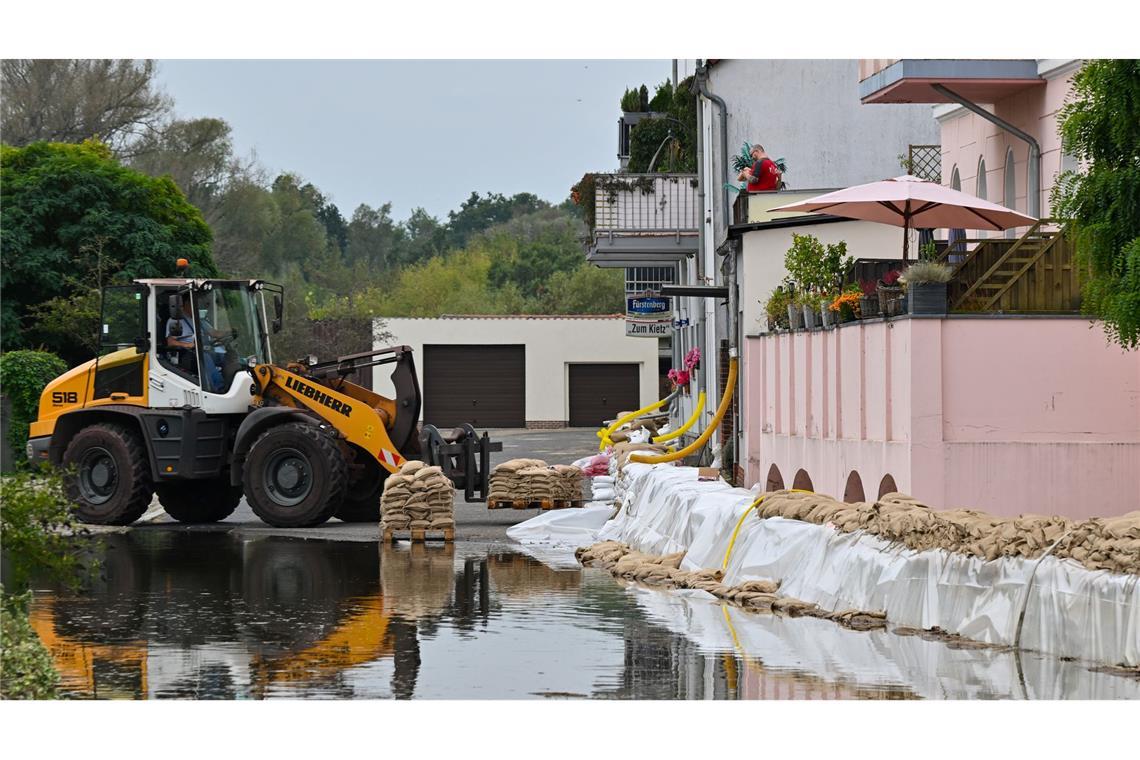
(418, 133)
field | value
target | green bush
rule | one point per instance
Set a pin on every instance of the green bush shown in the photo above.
(815, 267)
(23, 375)
(26, 668)
(37, 529)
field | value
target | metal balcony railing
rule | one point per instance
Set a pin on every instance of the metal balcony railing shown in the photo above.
(645, 204)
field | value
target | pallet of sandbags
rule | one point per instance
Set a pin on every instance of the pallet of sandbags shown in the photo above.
(416, 501)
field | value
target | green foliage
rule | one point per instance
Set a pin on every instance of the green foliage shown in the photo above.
(72, 213)
(777, 306)
(26, 668)
(38, 530)
(676, 127)
(631, 101)
(816, 268)
(23, 376)
(585, 290)
(1100, 126)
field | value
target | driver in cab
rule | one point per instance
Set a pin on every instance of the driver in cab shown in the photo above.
(180, 334)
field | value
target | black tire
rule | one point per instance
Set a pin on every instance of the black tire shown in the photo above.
(199, 501)
(295, 476)
(108, 476)
(362, 500)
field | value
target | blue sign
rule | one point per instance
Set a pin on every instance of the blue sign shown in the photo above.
(648, 307)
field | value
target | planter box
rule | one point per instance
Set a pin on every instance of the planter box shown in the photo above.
(886, 295)
(811, 318)
(926, 298)
(795, 318)
(869, 307)
(830, 318)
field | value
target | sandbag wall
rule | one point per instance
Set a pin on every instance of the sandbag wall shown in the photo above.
(924, 569)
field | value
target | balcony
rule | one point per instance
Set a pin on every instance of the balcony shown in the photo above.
(640, 219)
(755, 208)
(909, 80)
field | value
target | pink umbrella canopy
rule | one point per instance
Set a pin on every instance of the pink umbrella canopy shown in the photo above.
(912, 202)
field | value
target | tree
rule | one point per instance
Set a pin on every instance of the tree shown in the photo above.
(672, 135)
(585, 290)
(1100, 127)
(114, 101)
(477, 214)
(63, 204)
(374, 238)
(197, 154)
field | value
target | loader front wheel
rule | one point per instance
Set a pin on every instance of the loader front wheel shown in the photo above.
(108, 475)
(295, 476)
(199, 501)
(362, 501)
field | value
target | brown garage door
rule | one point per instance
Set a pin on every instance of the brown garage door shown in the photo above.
(482, 385)
(599, 391)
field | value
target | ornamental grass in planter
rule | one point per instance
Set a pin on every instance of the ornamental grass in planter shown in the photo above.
(926, 287)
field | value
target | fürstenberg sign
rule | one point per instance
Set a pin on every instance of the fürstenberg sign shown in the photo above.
(648, 317)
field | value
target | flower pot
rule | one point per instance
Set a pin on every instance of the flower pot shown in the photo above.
(811, 318)
(828, 317)
(926, 298)
(886, 294)
(869, 307)
(795, 317)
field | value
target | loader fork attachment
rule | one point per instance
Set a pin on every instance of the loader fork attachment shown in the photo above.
(463, 456)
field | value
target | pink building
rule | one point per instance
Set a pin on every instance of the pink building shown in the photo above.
(1012, 403)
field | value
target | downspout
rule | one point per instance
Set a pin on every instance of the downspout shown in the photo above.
(1033, 205)
(701, 79)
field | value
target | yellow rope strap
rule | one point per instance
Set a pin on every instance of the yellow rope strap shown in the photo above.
(725, 400)
(752, 506)
(692, 420)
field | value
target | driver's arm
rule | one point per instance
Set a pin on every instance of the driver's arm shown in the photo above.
(173, 341)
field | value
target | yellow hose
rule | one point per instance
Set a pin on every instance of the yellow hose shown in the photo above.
(752, 506)
(725, 400)
(692, 420)
(604, 433)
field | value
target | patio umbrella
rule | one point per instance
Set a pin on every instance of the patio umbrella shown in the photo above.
(912, 202)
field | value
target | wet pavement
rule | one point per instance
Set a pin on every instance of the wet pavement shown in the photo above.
(222, 615)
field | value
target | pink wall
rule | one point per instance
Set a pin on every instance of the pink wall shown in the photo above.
(966, 138)
(1010, 415)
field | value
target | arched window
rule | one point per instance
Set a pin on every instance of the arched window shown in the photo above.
(887, 485)
(957, 238)
(980, 190)
(1010, 188)
(775, 479)
(853, 492)
(802, 481)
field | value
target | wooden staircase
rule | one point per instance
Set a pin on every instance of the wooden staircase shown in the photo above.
(1034, 273)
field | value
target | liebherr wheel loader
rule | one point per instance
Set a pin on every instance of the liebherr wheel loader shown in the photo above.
(185, 401)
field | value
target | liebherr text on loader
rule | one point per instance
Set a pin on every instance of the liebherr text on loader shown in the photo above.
(185, 401)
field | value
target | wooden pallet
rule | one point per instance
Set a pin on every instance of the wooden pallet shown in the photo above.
(567, 504)
(419, 535)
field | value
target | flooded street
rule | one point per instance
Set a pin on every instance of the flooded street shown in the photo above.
(226, 615)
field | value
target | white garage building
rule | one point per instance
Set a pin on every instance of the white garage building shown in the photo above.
(533, 371)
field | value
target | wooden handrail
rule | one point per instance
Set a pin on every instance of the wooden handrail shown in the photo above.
(1025, 268)
(997, 264)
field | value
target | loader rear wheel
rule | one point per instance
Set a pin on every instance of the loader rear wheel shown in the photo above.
(109, 475)
(295, 476)
(199, 501)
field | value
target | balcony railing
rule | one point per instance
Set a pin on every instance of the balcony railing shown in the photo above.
(645, 204)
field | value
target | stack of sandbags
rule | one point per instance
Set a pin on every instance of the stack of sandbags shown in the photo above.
(622, 451)
(417, 498)
(507, 483)
(537, 483)
(569, 482)
(602, 488)
(1111, 543)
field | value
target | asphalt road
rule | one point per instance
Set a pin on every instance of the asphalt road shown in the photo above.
(474, 522)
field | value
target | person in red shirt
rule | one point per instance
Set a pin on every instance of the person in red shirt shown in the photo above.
(763, 174)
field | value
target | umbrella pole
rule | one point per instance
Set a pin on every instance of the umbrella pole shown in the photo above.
(906, 238)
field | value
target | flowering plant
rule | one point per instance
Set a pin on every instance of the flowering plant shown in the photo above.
(679, 377)
(891, 278)
(850, 300)
(693, 358)
(868, 287)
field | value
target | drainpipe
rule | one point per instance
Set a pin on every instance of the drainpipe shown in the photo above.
(701, 80)
(1033, 206)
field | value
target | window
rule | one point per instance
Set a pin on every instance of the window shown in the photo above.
(640, 279)
(981, 187)
(1010, 188)
(957, 238)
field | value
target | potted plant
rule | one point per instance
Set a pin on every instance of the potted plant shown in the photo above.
(845, 306)
(869, 299)
(828, 316)
(926, 287)
(779, 315)
(809, 306)
(888, 289)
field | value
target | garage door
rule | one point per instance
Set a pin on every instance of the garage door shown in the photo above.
(599, 391)
(482, 385)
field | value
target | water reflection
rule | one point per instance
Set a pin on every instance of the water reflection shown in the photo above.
(210, 615)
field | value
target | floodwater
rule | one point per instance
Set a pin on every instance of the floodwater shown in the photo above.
(217, 615)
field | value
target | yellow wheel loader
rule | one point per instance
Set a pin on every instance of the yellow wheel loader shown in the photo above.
(184, 400)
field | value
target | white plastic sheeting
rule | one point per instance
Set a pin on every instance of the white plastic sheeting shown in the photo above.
(1071, 611)
(563, 527)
